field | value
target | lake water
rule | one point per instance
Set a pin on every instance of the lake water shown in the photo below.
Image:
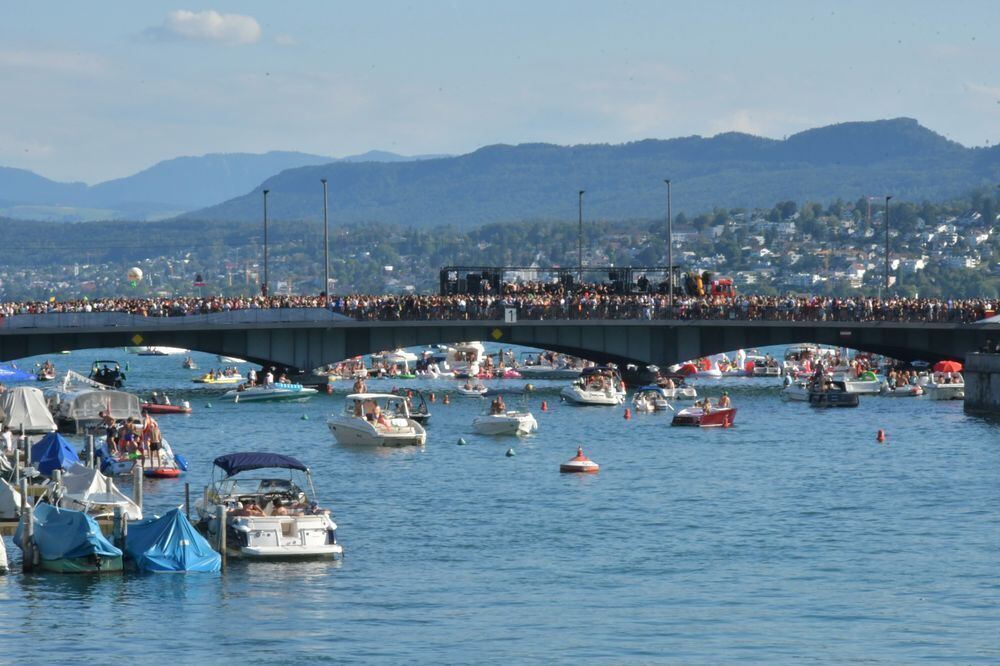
(792, 537)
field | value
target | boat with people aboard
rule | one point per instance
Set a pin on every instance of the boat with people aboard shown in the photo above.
(867, 383)
(46, 372)
(902, 390)
(189, 364)
(267, 516)
(827, 392)
(416, 403)
(945, 381)
(80, 404)
(107, 372)
(159, 403)
(219, 378)
(548, 365)
(160, 351)
(674, 385)
(376, 419)
(275, 391)
(472, 389)
(651, 398)
(464, 358)
(597, 385)
(705, 415)
(497, 419)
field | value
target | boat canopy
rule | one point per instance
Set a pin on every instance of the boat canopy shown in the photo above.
(170, 544)
(25, 411)
(234, 463)
(65, 533)
(85, 487)
(88, 405)
(53, 452)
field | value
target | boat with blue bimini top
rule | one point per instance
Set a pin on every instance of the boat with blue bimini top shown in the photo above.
(276, 391)
(267, 516)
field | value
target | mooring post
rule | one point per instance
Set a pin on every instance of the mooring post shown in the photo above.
(91, 454)
(220, 515)
(24, 494)
(28, 539)
(27, 450)
(116, 528)
(137, 486)
(57, 487)
(17, 466)
(187, 500)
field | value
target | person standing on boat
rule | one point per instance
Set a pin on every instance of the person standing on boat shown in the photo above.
(252, 377)
(724, 402)
(269, 378)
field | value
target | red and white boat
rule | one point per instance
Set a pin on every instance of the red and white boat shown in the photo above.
(718, 417)
(159, 403)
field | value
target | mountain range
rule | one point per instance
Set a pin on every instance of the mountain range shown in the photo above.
(530, 181)
(625, 182)
(163, 190)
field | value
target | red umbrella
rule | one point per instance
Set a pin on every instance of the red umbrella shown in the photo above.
(947, 366)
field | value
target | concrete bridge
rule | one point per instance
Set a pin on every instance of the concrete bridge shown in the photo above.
(311, 337)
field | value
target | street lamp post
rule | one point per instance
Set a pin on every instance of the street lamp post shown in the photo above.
(670, 251)
(264, 288)
(887, 245)
(579, 275)
(326, 246)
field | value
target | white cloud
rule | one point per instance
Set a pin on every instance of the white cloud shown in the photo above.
(54, 61)
(208, 26)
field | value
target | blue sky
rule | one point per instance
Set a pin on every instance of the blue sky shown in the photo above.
(92, 91)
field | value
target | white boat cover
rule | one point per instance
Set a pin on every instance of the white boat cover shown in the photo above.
(24, 410)
(85, 488)
(10, 501)
(88, 405)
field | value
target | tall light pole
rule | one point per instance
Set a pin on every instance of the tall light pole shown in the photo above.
(326, 246)
(579, 275)
(670, 251)
(887, 245)
(264, 288)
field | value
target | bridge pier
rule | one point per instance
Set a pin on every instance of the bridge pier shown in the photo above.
(982, 383)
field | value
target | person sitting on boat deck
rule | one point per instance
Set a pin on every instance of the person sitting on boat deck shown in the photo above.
(724, 402)
(706, 406)
(371, 409)
(248, 509)
(279, 508)
(359, 385)
(127, 441)
(498, 407)
(380, 418)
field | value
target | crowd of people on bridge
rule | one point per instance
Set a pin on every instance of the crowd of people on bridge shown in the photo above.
(544, 301)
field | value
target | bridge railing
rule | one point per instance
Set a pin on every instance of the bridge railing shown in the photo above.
(126, 320)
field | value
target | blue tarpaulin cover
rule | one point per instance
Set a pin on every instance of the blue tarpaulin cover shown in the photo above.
(65, 533)
(53, 452)
(170, 544)
(10, 373)
(234, 463)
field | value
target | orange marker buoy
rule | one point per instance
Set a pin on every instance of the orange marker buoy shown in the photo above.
(329, 388)
(628, 413)
(880, 437)
(581, 464)
(447, 400)
(545, 406)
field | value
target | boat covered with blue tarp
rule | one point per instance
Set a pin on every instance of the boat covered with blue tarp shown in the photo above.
(170, 544)
(70, 541)
(11, 373)
(53, 452)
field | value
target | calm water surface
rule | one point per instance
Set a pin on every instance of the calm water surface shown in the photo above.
(792, 537)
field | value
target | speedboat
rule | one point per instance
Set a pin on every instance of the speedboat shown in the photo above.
(719, 417)
(416, 404)
(276, 391)
(78, 403)
(160, 351)
(505, 422)
(108, 373)
(868, 383)
(159, 403)
(598, 385)
(832, 394)
(465, 357)
(650, 399)
(46, 373)
(210, 378)
(540, 366)
(376, 419)
(289, 523)
(163, 463)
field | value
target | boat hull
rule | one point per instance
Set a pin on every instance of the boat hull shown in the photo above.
(578, 396)
(351, 434)
(833, 399)
(695, 417)
(154, 408)
(508, 424)
(83, 565)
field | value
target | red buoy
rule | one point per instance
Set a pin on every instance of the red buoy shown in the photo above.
(880, 437)
(545, 406)
(581, 464)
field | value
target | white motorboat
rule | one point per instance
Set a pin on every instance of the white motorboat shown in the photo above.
(230, 359)
(277, 391)
(650, 398)
(497, 420)
(470, 390)
(267, 517)
(868, 383)
(160, 351)
(946, 387)
(376, 419)
(464, 358)
(598, 385)
(546, 366)
(682, 392)
(77, 404)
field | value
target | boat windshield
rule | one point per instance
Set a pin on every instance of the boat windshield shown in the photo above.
(247, 487)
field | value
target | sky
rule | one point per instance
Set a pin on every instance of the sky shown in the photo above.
(93, 91)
